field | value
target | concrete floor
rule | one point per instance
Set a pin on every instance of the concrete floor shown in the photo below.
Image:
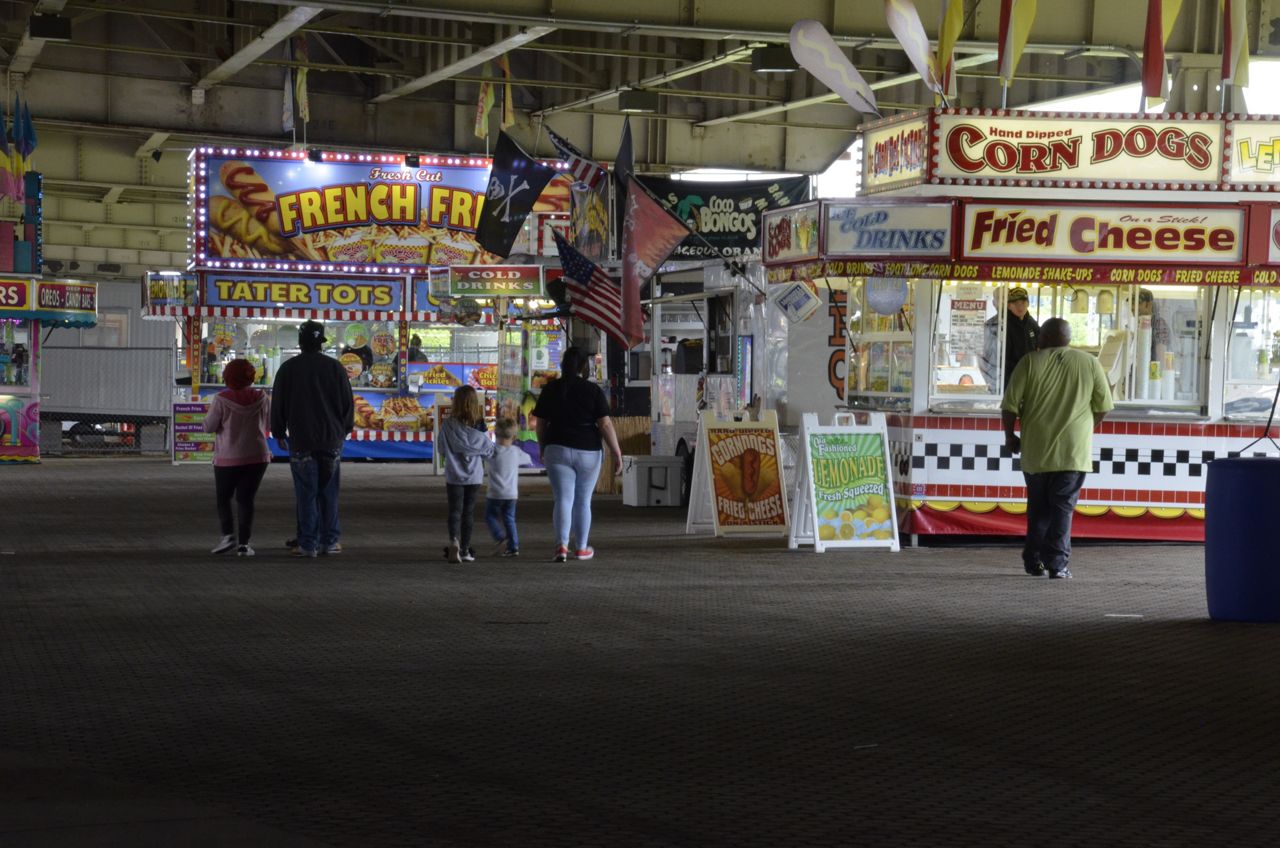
(675, 691)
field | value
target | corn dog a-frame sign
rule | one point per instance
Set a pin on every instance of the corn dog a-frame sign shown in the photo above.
(737, 478)
(844, 497)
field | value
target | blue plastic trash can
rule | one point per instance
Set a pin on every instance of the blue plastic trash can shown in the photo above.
(1241, 563)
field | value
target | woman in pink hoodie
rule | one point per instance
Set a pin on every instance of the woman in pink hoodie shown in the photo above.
(240, 416)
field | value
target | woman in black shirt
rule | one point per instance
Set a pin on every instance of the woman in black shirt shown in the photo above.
(572, 421)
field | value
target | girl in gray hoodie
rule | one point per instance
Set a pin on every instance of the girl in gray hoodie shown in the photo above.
(466, 448)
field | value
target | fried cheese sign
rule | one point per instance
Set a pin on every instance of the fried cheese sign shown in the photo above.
(738, 478)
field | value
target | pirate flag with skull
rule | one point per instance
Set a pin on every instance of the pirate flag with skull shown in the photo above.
(514, 184)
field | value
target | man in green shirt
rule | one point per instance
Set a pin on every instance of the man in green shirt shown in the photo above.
(1060, 394)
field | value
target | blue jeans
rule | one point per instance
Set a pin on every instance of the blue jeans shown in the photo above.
(500, 515)
(573, 475)
(315, 487)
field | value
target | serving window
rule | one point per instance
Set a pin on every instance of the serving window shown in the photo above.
(1253, 353)
(881, 322)
(1149, 339)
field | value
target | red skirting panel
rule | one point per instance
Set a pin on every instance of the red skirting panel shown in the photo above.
(928, 521)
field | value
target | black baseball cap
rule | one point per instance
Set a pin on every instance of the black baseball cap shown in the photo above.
(311, 331)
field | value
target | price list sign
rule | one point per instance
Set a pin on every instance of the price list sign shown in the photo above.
(191, 444)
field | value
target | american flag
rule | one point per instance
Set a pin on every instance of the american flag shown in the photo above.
(594, 297)
(585, 171)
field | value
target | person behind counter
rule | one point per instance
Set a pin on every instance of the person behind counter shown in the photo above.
(1060, 394)
(238, 417)
(312, 413)
(572, 422)
(1020, 338)
(415, 349)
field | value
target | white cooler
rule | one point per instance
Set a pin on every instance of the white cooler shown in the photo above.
(652, 480)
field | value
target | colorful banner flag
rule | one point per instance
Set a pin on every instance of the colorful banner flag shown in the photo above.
(484, 103)
(649, 234)
(1161, 15)
(303, 54)
(1016, 17)
(905, 24)
(508, 106)
(1235, 43)
(817, 52)
(514, 184)
(585, 171)
(593, 295)
(948, 35)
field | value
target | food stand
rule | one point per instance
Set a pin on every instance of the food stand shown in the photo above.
(352, 240)
(28, 307)
(1150, 235)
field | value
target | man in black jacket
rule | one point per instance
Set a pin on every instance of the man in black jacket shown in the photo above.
(312, 412)
(1021, 336)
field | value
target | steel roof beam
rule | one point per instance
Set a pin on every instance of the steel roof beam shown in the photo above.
(269, 38)
(479, 57)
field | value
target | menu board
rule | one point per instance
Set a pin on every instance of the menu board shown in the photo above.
(191, 444)
(737, 477)
(845, 495)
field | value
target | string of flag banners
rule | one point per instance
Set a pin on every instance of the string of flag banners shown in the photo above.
(817, 52)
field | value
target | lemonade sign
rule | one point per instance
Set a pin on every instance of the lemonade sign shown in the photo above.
(845, 496)
(849, 486)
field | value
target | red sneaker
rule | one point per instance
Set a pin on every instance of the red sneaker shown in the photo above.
(562, 554)
(585, 553)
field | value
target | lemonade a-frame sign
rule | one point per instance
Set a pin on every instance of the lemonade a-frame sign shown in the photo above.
(844, 497)
(738, 485)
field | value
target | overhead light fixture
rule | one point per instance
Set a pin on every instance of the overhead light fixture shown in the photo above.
(315, 155)
(157, 154)
(773, 60)
(637, 100)
(50, 27)
(412, 160)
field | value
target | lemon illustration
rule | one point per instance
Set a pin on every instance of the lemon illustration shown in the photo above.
(880, 513)
(860, 514)
(846, 531)
(874, 501)
(882, 534)
(827, 511)
(846, 516)
(826, 532)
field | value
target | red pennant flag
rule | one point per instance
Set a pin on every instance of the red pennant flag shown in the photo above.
(649, 234)
(1160, 17)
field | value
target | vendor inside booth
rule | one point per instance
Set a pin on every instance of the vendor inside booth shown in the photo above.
(29, 308)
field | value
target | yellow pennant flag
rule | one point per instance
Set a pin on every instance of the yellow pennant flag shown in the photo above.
(508, 108)
(948, 35)
(483, 104)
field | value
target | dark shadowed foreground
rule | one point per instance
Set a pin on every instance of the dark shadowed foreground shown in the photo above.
(675, 691)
